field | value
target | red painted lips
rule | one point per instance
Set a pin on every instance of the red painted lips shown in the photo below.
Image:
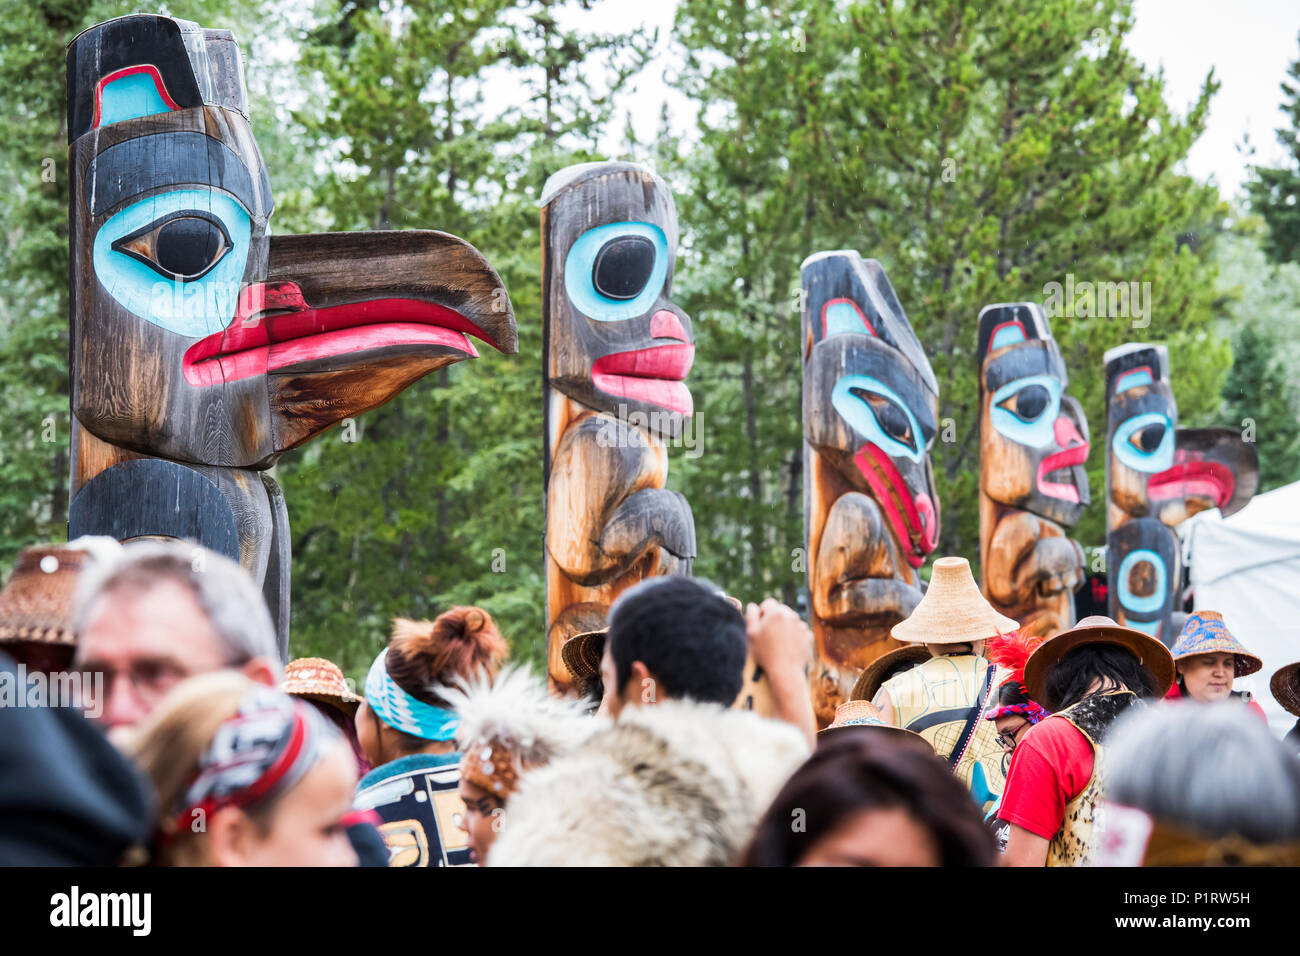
(1187, 479)
(274, 329)
(652, 375)
(1075, 452)
(915, 520)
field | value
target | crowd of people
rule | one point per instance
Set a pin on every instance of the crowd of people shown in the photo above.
(191, 743)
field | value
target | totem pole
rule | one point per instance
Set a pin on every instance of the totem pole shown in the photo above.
(1213, 468)
(871, 515)
(202, 347)
(617, 350)
(1142, 559)
(1033, 486)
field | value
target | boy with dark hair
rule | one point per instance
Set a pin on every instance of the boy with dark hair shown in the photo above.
(673, 638)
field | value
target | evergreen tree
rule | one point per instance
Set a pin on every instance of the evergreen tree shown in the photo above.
(1275, 191)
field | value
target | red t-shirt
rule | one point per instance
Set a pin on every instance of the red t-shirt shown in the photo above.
(1049, 768)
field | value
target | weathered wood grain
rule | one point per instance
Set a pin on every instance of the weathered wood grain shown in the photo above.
(613, 394)
(871, 514)
(1033, 483)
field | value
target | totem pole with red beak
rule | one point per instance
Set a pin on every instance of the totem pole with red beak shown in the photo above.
(202, 347)
(1033, 485)
(871, 515)
(617, 350)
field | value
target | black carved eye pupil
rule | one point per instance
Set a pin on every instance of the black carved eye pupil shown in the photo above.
(623, 267)
(1031, 401)
(893, 421)
(1149, 438)
(891, 418)
(189, 245)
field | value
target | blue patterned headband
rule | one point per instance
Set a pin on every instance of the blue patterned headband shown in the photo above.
(403, 712)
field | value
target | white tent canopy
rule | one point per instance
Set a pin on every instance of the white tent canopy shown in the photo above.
(1248, 568)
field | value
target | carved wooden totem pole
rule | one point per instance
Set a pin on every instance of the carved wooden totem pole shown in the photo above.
(871, 515)
(1142, 559)
(1157, 476)
(1213, 468)
(203, 348)
(617, 351)
(1033, 485)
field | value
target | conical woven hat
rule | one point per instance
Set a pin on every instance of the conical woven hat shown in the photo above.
(952, 611)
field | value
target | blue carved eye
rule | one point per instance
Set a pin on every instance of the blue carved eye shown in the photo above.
(176, 259)
(877, 413)
(1026, 410)
(615, 272)
(1145, 442)
(183, 245)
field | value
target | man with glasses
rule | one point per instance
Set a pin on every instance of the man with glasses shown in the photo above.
(162, 612)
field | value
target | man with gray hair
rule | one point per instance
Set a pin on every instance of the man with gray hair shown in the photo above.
(1200, 785)
(163, 611)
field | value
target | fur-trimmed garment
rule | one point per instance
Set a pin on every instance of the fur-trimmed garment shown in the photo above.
(675, 784)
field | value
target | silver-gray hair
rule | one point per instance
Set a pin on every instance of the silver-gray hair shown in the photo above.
(224, 591)
(1213, 768)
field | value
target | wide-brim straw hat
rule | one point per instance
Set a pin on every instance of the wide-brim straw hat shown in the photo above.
(952, 610)
(1205, 633)
(319, 679)
(859, 715)
(1153, 656)
(1285, 685)
(36, 604)
(880, 670)
(582, 652)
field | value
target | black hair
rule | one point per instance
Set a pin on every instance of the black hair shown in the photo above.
(1116, 666)
(1012, 692)
(864, 770)
(686, 633)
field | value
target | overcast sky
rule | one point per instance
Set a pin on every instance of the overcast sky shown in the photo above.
(1249, 43)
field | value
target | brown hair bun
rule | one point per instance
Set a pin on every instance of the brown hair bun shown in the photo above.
(458, 645)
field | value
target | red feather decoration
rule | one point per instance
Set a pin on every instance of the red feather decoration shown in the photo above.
(1011, 650)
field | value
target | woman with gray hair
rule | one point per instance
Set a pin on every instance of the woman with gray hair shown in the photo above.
(1200, 785)
(162, 611)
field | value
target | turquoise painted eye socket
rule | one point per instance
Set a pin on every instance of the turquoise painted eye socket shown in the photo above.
(176, 259)
(1145, 442)
(616, 271)
(1025, 411)
(877, 413)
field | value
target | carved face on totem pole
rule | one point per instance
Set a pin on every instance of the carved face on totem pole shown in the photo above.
(1033, 449)
(1213, 468)
(870, 406)
(197, 336)
(202, 346)
(1142, 556)
(616, 342)
(617, 351)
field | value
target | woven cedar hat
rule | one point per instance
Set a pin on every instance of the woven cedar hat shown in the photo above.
(1151, 654)
(36, 604)
(582, 652)
(1205, 633)
(318, 679)
(858, 714)
(952, 611)
(1285, 686)
(883, 668)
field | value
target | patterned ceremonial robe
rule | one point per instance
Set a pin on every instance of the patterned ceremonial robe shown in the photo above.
(936, 699)
(1076, 841)
(417, 798)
